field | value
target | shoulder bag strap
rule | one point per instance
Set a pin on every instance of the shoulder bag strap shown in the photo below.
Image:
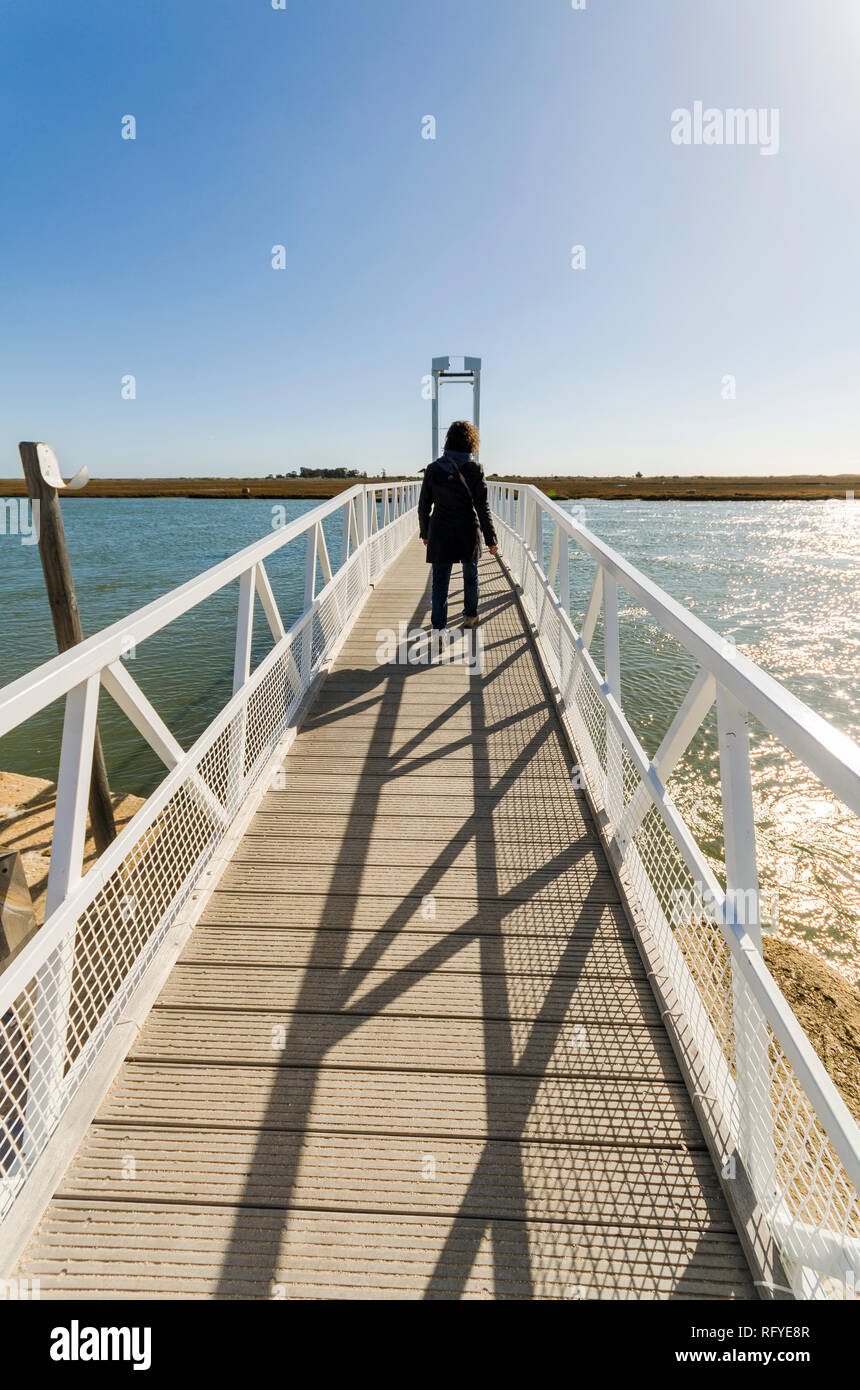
(465, 484)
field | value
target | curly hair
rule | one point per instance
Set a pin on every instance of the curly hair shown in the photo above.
(462, 437)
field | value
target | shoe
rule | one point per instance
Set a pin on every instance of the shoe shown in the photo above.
(472, 622)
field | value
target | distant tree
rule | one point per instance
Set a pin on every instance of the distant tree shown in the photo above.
(638, 475)
(327, 473)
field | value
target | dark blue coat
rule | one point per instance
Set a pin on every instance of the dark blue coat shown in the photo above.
(450, 518)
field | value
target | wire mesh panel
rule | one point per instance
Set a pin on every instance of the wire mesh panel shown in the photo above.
(60, 1000)
(785, 1130)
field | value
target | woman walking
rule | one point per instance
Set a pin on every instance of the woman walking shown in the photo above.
(453, 514)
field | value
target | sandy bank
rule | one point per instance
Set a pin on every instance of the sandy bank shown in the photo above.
(27, 822)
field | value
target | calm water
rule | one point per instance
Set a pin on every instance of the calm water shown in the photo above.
(124, 554)
(781, 579)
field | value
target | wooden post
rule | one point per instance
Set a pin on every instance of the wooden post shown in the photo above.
(17, 918)
(66, 620)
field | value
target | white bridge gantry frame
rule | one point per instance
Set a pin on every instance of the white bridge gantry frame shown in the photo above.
(445, 371)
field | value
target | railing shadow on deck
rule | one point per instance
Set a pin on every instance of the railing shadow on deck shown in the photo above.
(484, 1212)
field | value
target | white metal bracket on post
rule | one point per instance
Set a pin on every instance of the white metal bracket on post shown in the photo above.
(49, 468)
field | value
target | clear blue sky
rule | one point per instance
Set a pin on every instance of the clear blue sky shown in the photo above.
(302, 127)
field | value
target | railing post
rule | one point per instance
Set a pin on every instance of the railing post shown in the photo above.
(373, 525)
(244, 628)
(564, 570)
(743, 906)
(361, 514)
(361, 526)
(344, 532)
(310, 566)
(564, 603)
(612, 676)
(241, 672)
(536, 531)
(310, 593)
(353, 533)
(54, 980)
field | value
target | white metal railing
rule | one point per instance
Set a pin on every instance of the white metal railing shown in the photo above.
(797, 1140)
(62, 995)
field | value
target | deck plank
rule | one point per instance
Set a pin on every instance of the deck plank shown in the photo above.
(390, 1042)
(134, 1250)
(296, 948)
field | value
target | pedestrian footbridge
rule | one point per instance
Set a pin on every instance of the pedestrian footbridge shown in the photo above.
(390, 989)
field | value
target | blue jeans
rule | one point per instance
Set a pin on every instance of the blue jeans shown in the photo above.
(441, 580)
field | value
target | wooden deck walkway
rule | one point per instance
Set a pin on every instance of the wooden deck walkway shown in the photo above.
(410, 1049)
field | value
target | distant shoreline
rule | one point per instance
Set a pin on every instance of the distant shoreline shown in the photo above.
(789, 488)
